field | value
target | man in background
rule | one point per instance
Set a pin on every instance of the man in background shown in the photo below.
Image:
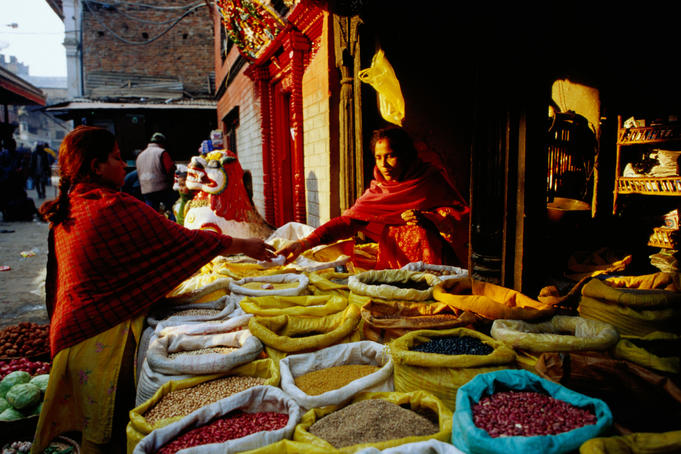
(156, 171)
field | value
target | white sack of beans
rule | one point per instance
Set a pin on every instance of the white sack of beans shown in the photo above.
(549, 336)
(443, 272)
(286, 284)
(177, 314)
(431, 446)
(252, 400)
(362, 352)
(176, 357)
(394, 284)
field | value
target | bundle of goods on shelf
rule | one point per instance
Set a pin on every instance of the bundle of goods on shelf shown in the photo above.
(379, 420)
(333, 375)
(396, 302)
(441, 361)
(177, 398)
(540, 415)
(250, 419)
(666, 237)
(176, 354)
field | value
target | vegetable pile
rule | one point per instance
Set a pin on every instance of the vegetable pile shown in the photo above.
(21, 395)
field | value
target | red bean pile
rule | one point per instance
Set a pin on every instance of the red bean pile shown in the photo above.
(526, 413)
(454, 345)
(24, 339)
(25, 364)
(234, 425)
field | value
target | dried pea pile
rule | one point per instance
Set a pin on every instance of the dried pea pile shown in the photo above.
(320, 381)
(454, 345)
(181, 402)
(371, 421)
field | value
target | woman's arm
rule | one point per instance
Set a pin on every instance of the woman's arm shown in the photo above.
(336, 229)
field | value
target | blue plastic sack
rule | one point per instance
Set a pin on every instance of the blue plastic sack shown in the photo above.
(469, 438)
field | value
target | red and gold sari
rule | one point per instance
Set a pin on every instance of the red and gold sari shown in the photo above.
(378, 212)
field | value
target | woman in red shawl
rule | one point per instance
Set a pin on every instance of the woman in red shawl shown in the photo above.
(110, 258)
(410, 209)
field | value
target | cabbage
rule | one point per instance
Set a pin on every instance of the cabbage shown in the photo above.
(13, 378)
(3, 404)
(23, 395)
(10, 414)
(41, 381)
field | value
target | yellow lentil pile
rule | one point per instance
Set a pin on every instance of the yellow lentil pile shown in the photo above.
(181, 402)
(320, 381)
(203, 351)
(371, 421)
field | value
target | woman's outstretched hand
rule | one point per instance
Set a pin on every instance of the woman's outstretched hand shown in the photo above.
(292, 250)
(252, 247)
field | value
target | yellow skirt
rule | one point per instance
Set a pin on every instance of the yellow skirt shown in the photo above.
(81, 392)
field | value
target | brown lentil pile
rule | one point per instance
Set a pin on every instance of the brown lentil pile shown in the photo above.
(203, 351)
(320, 381)
(181, 402)
(371, 421)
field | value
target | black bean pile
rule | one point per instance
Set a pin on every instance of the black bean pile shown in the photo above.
(454, 345)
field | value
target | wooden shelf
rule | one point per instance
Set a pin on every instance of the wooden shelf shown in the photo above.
(648, 135)
(664, 238)
(670, 186)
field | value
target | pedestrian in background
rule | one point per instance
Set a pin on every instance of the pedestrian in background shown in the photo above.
(156, 173)
(40, 169)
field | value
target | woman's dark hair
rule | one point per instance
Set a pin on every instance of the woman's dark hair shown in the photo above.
(399, 141)
(76, 153)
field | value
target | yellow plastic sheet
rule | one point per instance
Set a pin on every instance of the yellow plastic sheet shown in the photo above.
(290, 334)
(415, 400)
(489, 300)
(633, 348)
(308, 305)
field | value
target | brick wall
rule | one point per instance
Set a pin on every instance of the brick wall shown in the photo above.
(316, 115)
(184, 51)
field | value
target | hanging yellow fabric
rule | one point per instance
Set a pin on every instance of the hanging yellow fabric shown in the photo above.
(381, 76)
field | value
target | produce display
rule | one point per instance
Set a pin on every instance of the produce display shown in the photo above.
(23, 364)
(371, 421)
(323, 380)
(454, 345)
(26, 339)
(235, 425)
(181, 402)
(528, 413)
(21, 395)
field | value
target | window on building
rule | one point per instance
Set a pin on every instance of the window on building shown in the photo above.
(230, 123)
(225, 43)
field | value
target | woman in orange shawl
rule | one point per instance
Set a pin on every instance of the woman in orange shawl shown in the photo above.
(410, 209)
(111, 257)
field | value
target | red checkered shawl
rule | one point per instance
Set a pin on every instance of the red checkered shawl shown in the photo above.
(112, 259)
